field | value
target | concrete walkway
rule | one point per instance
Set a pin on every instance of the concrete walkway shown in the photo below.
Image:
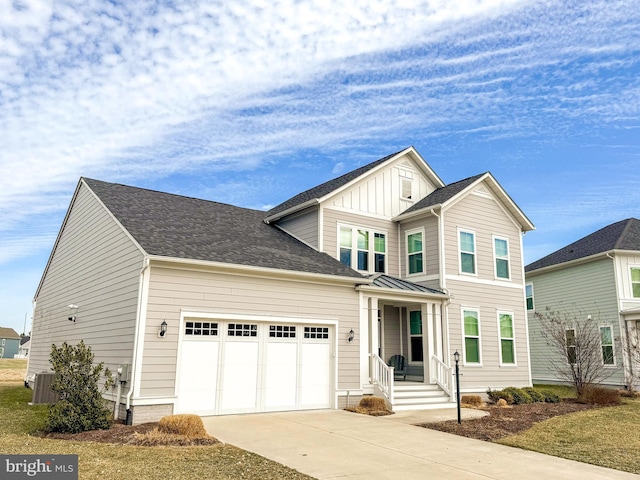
(328, 444)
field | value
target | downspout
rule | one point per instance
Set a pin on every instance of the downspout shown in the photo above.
(442, 282)
(137, 336)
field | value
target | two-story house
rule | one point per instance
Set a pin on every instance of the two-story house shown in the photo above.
(213, 309)
(9, 342)
(595, 277)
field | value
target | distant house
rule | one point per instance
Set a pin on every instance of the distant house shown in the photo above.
(25, 346)
(9, 342)
(597, 276)
(213, 309)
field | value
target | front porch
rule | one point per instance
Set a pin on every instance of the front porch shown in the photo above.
(404, 320)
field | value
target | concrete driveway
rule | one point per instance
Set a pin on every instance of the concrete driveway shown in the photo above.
(329, 444)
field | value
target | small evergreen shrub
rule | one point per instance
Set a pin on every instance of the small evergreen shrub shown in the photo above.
(535, 395)
(519, 395)
(81, 406)
(495, 395)
(599, 396)
(550, 397)
(473, 400)
(183, 424)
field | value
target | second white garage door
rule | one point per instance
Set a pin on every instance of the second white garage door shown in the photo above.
(232, 367)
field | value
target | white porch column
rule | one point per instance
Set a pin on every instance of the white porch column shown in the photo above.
(427, 339)
(374, 334)
(363, 340)
(438, 339)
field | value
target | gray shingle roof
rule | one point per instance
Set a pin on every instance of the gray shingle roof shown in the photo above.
(327, 187)
(443, 194)
(622, 235)
(385, 281)
(182, 227)
(6, 332)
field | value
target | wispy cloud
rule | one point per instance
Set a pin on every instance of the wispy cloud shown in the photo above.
(133, 90)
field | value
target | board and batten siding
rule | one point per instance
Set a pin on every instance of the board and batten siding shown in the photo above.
(173, 290)
(379, 193)
(303, 226)
(624, 263)
(333, 218)
(96, 266)
(579, 290)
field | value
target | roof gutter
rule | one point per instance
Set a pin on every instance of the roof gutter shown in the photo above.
(571, 263)
(262, 271)
(415, 213)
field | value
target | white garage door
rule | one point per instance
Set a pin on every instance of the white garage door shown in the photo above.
(231, 367)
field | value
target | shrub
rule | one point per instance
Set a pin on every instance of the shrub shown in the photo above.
(495, 395)
(599, 396)
(550, 397)
(519, 395)
(81, 406)
(185, 424)
(501, 403)
(473, 400)
(535, 395)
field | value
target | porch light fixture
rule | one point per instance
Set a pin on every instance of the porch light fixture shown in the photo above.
(456, 357)
(350, 336)
(163, 329)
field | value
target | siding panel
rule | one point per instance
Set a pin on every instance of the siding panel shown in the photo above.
(172, 291)
(95, 266)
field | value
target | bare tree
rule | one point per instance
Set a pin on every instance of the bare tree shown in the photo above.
(576, 340)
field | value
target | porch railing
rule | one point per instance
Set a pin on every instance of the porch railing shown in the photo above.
(382, 377)
(442, 375)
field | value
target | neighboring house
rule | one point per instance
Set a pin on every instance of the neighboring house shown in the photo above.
(213, 309)
(9, 342)
(596, 276)
(25, 345)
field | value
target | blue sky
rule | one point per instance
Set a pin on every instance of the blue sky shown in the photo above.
(250, 103)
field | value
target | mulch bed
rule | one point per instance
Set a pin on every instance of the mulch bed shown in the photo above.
(128, 435)
(504, 421)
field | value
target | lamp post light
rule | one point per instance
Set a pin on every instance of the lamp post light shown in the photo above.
(456, 357)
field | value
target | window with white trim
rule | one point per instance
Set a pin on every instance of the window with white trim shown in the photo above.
(570, 343)
(362, 249)
(507, 339)
(242, 330)
(316, 332)
(282, 331)
(406, 184)
(635, 282)
(471, 321)
(501, 255)
(467, 245)
(415, 252)
(606, 342)
(415, 336)
(205, 329)
(529, 295)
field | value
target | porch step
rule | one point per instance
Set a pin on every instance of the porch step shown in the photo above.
(420, 397)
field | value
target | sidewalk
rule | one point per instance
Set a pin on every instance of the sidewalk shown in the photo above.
(328, 444)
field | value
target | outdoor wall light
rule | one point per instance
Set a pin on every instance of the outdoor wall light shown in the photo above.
(74, 308)
(351, 336)
(163, 329)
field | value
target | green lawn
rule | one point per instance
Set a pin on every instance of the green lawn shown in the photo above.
(609, 437)
(97, 460)
(563, 391)
(13, 364)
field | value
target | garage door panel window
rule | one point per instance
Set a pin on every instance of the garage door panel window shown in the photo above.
(207, 329)
(242, 330)
(316, 332)
(282, 331)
